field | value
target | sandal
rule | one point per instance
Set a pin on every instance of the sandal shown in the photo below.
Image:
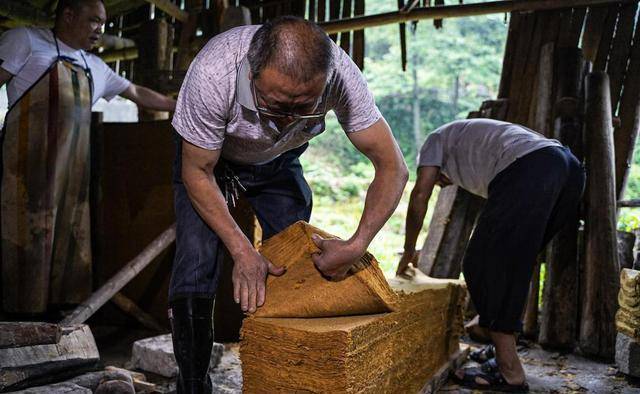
(483, 355)
(495, 380)
(489, 366)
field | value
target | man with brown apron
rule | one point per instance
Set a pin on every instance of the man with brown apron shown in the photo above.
(44, 194)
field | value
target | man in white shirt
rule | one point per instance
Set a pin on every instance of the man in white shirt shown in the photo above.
(27, 53)
(45, 167)
(532, 185)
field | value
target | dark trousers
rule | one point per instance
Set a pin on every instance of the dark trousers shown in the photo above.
(278, 194)
(528, 204)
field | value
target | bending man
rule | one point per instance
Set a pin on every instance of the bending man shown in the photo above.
(252, 99)
(532, 185)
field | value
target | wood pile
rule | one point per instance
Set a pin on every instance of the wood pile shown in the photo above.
(398, 351)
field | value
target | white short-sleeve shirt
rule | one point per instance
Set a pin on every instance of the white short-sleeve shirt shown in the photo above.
(27, 53)
(216, 110)
(472, 152)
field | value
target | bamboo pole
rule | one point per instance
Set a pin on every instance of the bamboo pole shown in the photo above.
(171, 9)
(132, 309)
(456, 11)
(120, 279)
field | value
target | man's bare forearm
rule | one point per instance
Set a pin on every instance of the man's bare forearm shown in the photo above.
(418, 205)
(382, 198)
(209, 202)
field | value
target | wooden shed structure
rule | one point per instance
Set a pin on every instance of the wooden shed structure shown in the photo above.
(553, 47)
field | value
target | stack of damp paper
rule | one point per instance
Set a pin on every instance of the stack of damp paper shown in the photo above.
(356, 336)
(628, 315)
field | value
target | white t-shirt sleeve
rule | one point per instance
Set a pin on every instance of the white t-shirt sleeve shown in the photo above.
(432, 152)
(114, 84)
(201, 109)
(355, 107)
(15, 49)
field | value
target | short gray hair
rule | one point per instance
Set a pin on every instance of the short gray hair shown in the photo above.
(298, 48)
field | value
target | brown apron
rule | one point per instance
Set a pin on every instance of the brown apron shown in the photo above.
(44, 195)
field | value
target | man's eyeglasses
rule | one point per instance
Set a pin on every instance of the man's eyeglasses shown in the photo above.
(284, 114)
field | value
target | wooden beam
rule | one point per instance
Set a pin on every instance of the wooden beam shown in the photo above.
(20, 12)
(171, 9)
(119, 280)
(635, 203)
(456, 11)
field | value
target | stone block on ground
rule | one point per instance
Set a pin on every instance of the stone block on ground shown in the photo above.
(155, 355)
(628, 355)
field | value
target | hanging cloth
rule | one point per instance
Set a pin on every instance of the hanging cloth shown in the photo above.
(44, 194)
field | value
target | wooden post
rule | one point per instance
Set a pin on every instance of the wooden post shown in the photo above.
(151, 60)
(530, 321)
(597, 328)
(449, 232)
(541, 123)
(629, 113)
(559, 323)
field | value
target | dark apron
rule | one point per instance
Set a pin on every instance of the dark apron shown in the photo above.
(44, 195)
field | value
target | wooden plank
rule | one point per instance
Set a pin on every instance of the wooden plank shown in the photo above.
(345, 37)
(322, 10)
(604, 47)
(358, 36)
(449, 231)
(629, 113)
(130, 308)
(593, 30)
(559, 321)
(453, 11)
(312, 13)
(524, 34)
(24, 366)
(171, 9)
(509, 54)
(334, 14)
(297, 7)
(620, 49)
(124, 276)
(577, 25)
(531, 313)
(563, 18)
(19, 334)
(523, 74)
(403, 40)
(601, 270)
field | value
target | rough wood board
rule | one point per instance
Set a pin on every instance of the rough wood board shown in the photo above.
(391, 352)
(17, 334)
(441, 377)
(76, 349)
(303, 292)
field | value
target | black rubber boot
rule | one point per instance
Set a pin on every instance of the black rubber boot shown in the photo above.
(192, 333)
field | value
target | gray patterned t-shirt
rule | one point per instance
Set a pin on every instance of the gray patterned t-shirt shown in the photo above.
(472, 152)
(215, 108)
